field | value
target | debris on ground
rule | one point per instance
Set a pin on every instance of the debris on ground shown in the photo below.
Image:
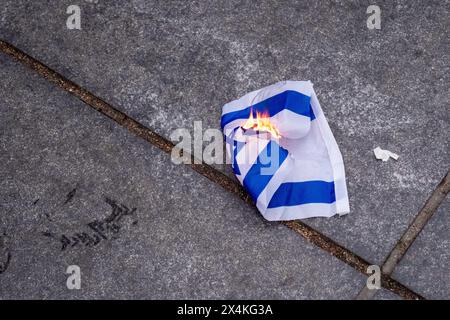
(384, 155)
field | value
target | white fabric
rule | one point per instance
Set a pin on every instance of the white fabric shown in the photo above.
(313, 159)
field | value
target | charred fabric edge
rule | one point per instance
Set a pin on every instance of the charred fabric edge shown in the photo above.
(411, 233)
(214, 175)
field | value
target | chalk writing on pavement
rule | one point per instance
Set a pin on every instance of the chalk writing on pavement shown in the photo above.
(96, 231)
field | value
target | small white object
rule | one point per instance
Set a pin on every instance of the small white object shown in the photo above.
(384, 155)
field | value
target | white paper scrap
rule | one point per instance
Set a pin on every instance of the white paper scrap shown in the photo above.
(384, 155)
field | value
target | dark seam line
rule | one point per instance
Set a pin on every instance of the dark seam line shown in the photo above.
(411, 233)
(214, 175)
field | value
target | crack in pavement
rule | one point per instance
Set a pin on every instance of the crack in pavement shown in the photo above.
(411, 233)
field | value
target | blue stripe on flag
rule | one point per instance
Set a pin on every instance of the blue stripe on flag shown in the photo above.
(289, 99)
(297, 193)
(237, 146)
(256, 180)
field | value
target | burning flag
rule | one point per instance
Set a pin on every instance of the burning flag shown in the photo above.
(284, 153)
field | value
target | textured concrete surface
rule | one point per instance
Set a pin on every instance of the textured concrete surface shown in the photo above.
(425, 267)
(384, 294)
(169, 63)
(137, 225)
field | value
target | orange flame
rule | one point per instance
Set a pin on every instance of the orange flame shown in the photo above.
(261, 123)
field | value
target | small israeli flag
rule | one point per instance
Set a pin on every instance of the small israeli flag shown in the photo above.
(284, 153)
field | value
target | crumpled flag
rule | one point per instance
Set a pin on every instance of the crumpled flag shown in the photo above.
(295, 171)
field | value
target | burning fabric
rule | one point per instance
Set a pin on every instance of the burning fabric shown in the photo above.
(284, 153)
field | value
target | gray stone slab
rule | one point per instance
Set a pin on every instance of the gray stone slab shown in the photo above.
(384, 294)
(425, 267)
(170, 63)
(69, 171)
